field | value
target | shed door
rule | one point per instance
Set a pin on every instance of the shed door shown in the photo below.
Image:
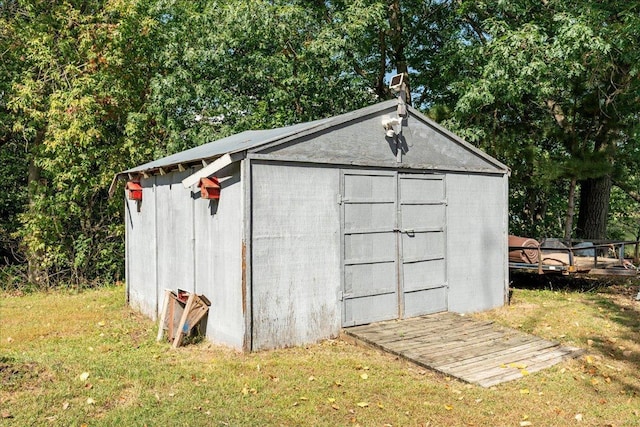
(422, 244)
(370, 255)
(393, 246)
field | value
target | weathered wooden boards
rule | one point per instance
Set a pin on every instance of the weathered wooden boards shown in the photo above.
(474, 351)
(180, 313)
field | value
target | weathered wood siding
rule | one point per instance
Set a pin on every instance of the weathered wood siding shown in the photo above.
(218, 260)
(174, 231)
(363, 143)
(141, 262)
(477, 242)
(179, 241)
(295, 254)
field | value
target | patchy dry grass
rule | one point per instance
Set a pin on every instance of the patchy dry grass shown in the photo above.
(84, 358)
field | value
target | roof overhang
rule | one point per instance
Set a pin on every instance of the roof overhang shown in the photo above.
(210, 167)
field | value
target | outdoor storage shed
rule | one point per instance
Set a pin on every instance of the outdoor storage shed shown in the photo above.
(323, 225)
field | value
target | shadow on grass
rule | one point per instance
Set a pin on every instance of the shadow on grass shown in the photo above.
(613, 351)
(575, 283)
(16, 375)
(615, 301)
(625, 315)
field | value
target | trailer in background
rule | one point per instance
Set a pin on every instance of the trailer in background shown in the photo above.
(609, 258)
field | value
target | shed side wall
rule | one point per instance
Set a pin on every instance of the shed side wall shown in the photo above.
(295, 254)
(140, 218)
(218, 260)
(175, 234)
(477, 238)
(176, 240)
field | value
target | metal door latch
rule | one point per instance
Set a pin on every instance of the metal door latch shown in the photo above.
(409, 232)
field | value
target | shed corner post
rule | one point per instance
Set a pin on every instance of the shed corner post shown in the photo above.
(247, 284)
(127, 274)
(505, 240)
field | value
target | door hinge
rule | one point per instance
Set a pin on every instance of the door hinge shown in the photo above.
(339, 199)
(340, 296)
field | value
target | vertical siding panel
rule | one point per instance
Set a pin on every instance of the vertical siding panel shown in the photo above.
(476, 235)
(246, 285)
(295, 254)
(217, 260)
(141, 250)
(174, 229)
(505, 237)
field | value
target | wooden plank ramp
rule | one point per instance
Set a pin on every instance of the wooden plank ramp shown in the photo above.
(475, 351)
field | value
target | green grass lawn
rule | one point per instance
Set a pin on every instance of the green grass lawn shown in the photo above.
(73, 359)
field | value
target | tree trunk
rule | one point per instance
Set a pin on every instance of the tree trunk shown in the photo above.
(35, 273)
(594, 208)
(568, 223)
(636, 253)
(381, 88)
(398, 44)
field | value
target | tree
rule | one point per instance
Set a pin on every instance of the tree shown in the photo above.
(231, 66)
(550, 88)
(89, 88)
(75, 81)
(94, 87)
(12, 160)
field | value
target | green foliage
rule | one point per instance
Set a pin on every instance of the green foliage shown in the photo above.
(13, 196)
(12, 150)
(549, 89)
(232, 66)
(90, 88)
(625, 217)
(95, 87)
(77, 80)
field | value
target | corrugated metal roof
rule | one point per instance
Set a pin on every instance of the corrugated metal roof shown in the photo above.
(231, 144)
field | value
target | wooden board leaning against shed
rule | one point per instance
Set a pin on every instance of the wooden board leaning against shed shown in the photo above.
(181, 312)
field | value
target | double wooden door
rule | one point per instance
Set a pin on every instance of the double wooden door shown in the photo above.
(393, 245)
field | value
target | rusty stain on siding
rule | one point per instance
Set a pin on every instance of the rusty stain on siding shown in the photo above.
(244, 278)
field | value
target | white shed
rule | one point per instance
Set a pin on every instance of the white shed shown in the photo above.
(321, 226)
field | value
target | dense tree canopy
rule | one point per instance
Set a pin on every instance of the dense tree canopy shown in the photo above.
(89, 88)
(73, 76)
(552, 88)
(230, 66)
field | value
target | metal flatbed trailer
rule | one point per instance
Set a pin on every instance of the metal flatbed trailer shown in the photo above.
(585, 258)
(536, 267)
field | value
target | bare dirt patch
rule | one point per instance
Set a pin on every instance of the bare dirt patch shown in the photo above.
(21, 376)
